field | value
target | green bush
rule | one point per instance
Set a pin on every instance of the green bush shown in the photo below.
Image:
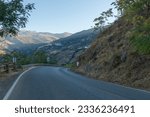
(140, 37)
(70, 65)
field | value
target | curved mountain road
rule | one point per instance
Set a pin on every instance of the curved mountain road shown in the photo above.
(56, 83)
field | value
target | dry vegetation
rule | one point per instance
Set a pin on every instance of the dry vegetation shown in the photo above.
(112, 58)
(6, 81)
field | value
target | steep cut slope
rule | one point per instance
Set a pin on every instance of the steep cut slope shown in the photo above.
(112, 58)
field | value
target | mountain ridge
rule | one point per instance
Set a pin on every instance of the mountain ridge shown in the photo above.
(25, 38)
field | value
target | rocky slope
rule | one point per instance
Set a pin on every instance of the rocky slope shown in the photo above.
(112, 58)
(66, 50)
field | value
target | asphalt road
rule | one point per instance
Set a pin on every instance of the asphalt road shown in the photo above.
(55, 83)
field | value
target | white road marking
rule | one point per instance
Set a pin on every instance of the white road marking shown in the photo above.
(6, 97)
(15, 83)
(126, 87)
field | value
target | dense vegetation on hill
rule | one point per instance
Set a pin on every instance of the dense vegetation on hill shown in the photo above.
(137, 14)
(121, 54)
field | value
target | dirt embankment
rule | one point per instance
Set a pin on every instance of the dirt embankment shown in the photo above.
(6, 81)
(112, 58)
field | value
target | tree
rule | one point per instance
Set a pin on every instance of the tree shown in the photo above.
(39, 57)
(13, 16)
(101, 21)
(137, 14)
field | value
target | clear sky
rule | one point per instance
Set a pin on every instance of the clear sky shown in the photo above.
(57, 16)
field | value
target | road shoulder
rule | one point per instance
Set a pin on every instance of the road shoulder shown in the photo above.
(6, 81)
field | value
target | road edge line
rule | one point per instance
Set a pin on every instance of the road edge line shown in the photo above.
(15, 83)
(123, 86)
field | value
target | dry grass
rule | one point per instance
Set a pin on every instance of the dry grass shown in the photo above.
(103, 60)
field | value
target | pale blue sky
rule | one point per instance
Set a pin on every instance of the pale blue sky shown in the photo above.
(57, 16)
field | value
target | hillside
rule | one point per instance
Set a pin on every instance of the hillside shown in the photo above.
(29, 40)
(112, 58)
(66, 50)
(40, 37)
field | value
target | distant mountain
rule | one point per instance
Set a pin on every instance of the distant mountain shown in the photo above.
(66, 50)
(30, 40)
(40, 37)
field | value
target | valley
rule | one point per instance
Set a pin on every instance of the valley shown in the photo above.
(66, 50)
(36, 47)
(29, 40)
